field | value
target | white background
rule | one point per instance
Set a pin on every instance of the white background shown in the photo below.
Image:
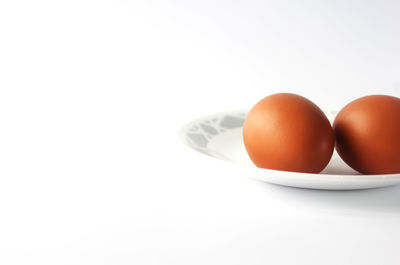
(93, 94)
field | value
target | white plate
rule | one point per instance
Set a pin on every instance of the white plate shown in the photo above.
(220, 136)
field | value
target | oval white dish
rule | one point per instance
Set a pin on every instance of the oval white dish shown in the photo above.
(220, 136)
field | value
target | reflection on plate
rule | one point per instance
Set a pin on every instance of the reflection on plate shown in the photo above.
(220, 136)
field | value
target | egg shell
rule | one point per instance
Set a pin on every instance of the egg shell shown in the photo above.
(288, 132)
(367, 132)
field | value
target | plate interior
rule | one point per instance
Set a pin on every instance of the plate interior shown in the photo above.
(220, 136)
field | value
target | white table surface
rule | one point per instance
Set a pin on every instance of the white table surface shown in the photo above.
(93, 94)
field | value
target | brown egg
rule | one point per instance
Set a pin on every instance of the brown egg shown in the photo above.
(288, 132)
(367, 132)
